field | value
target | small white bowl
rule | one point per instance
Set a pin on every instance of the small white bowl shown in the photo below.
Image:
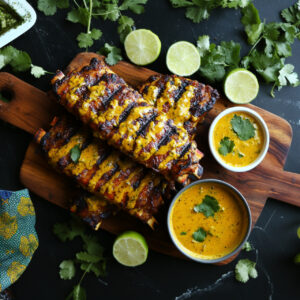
(25, 10)
(265, 130)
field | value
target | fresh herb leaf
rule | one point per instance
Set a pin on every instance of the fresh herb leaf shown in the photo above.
(87, 257)
(89, 260)
(244, 269)
(241, 155)
(199, 10)
(75, 153)
(217, 60)
(98, 269)
(113, 54)
(86, 40)
(287, 75)
(68, 231)
(67, 269)
(49, 7)
(242, 127)
(182, 233)
(226, 146)
(247, 247)
(125, 27)
(199, 235)
(37, 71)
(19, 60)
(208, 207)
(134, 5)
(253, 25)
(203, 44)
(79, 15)
(292, 15)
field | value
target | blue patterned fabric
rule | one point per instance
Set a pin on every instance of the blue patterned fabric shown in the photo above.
(18, 238)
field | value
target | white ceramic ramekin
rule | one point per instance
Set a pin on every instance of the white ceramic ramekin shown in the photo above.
(24, 10)
(265, 130)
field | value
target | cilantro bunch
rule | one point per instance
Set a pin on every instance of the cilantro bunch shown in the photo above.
(271, 45)
(199, 10)
(89, 260)
(84, 11)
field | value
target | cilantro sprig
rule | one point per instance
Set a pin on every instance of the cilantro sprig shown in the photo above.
(199, 10)
(245, 269)
(271, 45)
(83, 12)
(113, 54)
(216, 61)
(90, 259)
(208, 207)
(19, 61)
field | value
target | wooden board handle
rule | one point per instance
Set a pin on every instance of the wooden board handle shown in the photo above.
(286, 187)
(19, 111)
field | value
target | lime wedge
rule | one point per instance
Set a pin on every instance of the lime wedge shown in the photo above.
(241, 86)
(183, 59)
(130, 249)
(142, 46)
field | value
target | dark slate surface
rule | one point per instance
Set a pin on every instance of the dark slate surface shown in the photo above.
(51, 43)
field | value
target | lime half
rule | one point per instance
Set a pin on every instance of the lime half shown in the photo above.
(241, 86)
(142, 46)
(183, 59)
(130, 249)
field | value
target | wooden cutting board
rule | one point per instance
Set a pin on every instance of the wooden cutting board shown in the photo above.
(31, 109)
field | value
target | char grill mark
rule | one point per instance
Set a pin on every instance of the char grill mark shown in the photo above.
(103, 172)
(179, 92)
(174, 93)
(120, 124)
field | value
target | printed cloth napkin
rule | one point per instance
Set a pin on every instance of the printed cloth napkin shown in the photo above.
(18, 238)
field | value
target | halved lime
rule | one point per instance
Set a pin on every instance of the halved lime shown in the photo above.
(241, 86)
(130, 249)
(142, 46)
(183, 59)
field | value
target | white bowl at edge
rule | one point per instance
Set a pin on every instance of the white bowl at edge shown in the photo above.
(25, 10)
(264, 127)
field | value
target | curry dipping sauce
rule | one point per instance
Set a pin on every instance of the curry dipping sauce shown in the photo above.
(208, 221)
(238, 139)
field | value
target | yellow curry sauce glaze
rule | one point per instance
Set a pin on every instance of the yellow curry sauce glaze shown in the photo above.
(244, 152)
(227, 228)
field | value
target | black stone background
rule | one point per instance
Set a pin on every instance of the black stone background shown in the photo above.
(51, 44)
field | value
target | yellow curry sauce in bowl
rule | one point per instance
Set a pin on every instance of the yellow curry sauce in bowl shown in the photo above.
(209, 221)
(239, 139)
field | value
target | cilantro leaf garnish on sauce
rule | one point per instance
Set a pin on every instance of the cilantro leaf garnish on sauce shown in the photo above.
(199, 235)
(242, 127)
(208, 207)
(226, 146)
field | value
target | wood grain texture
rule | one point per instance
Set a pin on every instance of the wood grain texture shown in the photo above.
(31, 109)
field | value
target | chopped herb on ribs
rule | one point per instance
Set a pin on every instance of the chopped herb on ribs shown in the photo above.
(103, 172)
